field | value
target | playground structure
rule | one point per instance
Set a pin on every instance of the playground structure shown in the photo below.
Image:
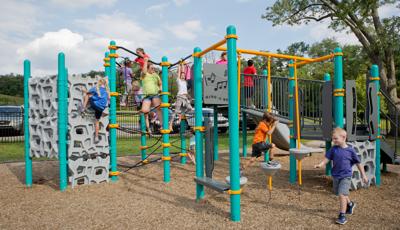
(233, 87)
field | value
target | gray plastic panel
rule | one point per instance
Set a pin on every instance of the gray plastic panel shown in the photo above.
(366, 152)
(87, 162)
(327, 115)
(372, 110)
(215, 84)
(213, 184)
(351, 110)
(209, 150)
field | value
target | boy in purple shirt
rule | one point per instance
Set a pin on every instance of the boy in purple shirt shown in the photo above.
(343, 158)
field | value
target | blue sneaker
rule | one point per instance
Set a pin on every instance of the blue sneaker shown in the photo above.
(341, 219)
(350, 208)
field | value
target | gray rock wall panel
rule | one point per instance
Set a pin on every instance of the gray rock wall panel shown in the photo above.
(366, 152)
(88, 162)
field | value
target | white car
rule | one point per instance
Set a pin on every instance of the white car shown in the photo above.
(223, 122)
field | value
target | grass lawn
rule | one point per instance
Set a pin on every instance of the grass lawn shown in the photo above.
(11, 100)
(125, 146)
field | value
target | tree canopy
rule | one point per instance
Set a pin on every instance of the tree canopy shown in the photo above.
(379, 37)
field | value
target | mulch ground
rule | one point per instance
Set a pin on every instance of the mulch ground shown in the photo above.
(140, 200)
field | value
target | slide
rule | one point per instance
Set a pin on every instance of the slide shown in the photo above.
(280, 137)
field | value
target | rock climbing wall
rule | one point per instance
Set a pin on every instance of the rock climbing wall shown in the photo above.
(43, 109)
(366, 152)
(88, 162)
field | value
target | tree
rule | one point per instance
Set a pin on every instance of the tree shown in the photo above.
(378, 37)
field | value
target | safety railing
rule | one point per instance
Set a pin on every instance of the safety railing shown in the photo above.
(254, 90)
(390, 125)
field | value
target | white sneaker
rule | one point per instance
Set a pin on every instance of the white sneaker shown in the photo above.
(96, 140)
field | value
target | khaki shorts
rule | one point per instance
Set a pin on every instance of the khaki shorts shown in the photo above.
(182, 105)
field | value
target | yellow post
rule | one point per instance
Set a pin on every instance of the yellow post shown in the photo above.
(239, 65)
(300, 181)
(270, 183)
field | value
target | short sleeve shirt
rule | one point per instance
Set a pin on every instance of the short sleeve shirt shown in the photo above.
(343, 160)
(248, 80)
(151, 84)
(260, 135)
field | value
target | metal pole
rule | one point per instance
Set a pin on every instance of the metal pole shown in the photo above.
(215, 142)
(198, 104)
(338, 91)
(267, 102)
(62, 120)
(244, 133)
(28, 159)
(375, 79)
(233, 124)
(183, 140)
(164, 107)
(143, 146)
(328, 144)
(106, 65)
(113, 113)
(292, 159)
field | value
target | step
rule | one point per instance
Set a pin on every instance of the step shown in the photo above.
(213, 184)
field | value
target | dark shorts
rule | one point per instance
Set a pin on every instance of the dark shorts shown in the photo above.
(341, 186)
(150, 97)
(259, 148)
(98, 111)
(248, 91)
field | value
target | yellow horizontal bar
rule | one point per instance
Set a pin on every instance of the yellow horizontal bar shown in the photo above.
(266, 54)
(213, 47)
(319, 59)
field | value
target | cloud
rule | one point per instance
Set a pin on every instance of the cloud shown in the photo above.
(181, 2)
(84, 48)
(319, 31)
(157, 9)
(187, 31)
(83, 3)
(121, 28)
(388, 10)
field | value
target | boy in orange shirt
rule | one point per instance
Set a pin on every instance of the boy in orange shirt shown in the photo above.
(264, 128)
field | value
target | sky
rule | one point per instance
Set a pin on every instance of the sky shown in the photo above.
(82, 29)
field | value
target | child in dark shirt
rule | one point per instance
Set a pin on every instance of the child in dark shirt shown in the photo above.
(343, 158)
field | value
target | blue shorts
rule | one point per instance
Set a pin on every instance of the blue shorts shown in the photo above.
(98, 111)
(151, 97)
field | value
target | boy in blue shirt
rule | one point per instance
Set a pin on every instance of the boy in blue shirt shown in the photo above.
(343, 157)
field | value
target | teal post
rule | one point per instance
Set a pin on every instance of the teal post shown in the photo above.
(166, 155)
(292, 159)
(198, 104)
(244, 134)
(143, 136)
(182, 131)
(233, 108)
(62, 120)
(106, 65)
(215, 142)
(28, 159)
(338, 91)
(375, 79)
(113, 113)
(266, 100)
(328, 144)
